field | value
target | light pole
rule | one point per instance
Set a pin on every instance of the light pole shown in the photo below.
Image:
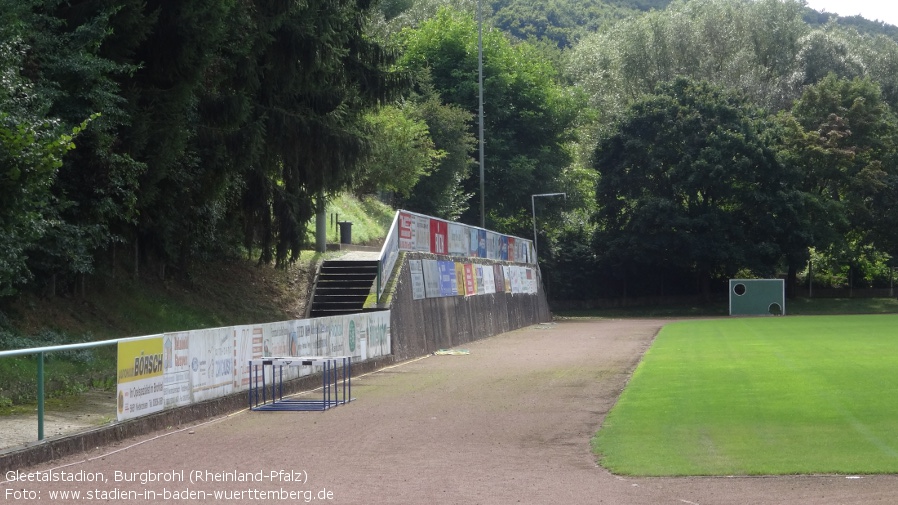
(480, 92)
(533, 207)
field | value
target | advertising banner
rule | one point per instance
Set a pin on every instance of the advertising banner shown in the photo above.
(415, 232)
(338, 336)
(478, 243)
(357, 336)
(478, 278)
(458, 239)
(431, 278)
(320, 333)
(211, 363)
(518, 280)
(448, 285)
(417, 273)
(525, 252)
(492, 245)
(304, 331)
(407, 228)
(489, 280)
(422, 234)
(247, 346)
(439, 237)
(277, 339)
(281, 340)
(470, 281)
(180, 368)
(141, 382)
(176, 365)
(378, 333)
(498, 278)
(389, 255)
(506, 274)
(459, 278)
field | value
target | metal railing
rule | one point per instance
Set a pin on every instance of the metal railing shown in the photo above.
(41, 351)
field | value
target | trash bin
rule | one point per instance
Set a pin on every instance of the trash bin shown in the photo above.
(345, 232)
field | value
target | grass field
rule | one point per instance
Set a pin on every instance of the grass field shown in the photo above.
(756, 396)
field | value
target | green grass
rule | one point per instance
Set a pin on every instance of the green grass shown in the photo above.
(370, 219)
(671, 310)
(220, 293)
(755, 396)
(822, 306)
(794, 307)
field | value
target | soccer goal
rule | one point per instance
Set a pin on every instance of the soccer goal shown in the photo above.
(757, 297)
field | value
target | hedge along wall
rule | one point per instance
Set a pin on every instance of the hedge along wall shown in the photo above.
(422, 326)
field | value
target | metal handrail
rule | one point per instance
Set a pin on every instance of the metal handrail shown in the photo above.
(40, 351)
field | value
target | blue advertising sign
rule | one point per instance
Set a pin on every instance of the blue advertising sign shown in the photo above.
(481, 243)
(448, 285)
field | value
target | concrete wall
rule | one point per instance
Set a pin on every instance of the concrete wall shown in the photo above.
(421, 327)
(19, 458)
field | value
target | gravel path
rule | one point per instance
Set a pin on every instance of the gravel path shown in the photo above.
(508, 423)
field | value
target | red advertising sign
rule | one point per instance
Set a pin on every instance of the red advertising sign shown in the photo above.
(470, 282)
(439, 237)
(406, 231)
(511, 250)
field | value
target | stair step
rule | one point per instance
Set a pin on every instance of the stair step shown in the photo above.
(349, 264)
(358, 296)
(315, 312)
(342, 287)
(336, 305)
(346, 277)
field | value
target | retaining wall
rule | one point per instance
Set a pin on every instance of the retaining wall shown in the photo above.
(420, 327)
(170, 419)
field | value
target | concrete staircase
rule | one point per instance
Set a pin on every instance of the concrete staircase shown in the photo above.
(342, 287)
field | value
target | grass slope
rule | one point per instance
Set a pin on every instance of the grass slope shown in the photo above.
(794, 395)
(370, 220)
(221, 293)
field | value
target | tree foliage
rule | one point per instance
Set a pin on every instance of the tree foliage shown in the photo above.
(688, 184)
(217, 127)
(33, 141)
(853, 137)
(441, 193)
(402, 151)
(217, 124)
(527, 113)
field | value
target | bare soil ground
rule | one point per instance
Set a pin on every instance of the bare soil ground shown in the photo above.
(85, 411)
(509, 423)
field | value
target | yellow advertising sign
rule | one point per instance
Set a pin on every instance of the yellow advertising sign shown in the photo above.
(460, 278)
(140, 377)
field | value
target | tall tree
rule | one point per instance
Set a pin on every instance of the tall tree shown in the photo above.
(402, 152)
(527, 113)
(442, 193)
(96, 189)
(55, 80)
(747, 46)
(317, 74)
(686, 183)
(853, 134)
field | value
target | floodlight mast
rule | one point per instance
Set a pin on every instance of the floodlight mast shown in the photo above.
(533, 207)
(480, 92)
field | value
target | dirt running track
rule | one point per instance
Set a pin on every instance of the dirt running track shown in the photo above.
(509, 423)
